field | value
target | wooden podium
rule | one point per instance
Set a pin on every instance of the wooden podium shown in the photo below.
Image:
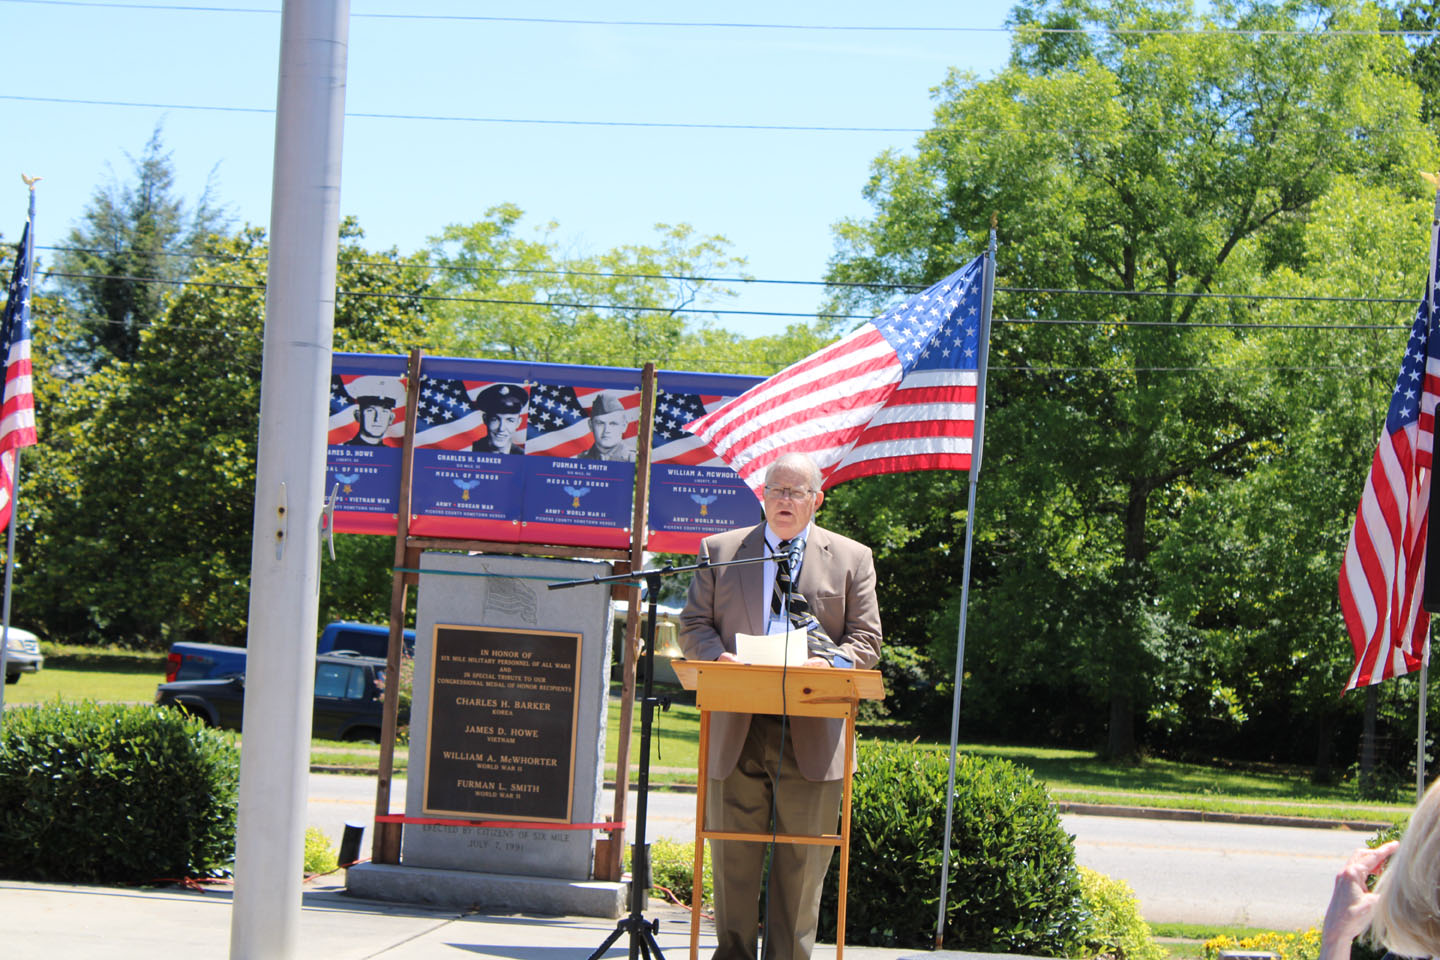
(798, 692)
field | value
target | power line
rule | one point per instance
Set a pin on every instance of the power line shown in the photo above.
(693, 278)
(1202, 324)
(743, 25)
(732, 363)
(528, 121)
(649, 124)
(639, 308)
(437, 298)
(1234, 368)
(1207, 295)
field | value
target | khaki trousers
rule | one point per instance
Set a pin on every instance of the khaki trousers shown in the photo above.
(742, 802)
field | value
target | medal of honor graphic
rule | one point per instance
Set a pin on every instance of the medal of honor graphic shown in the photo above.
(465, 487)
(704, 502)
(576, 493)
(347, 479)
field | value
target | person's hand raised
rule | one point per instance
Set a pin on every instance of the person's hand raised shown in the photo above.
(1351, 904)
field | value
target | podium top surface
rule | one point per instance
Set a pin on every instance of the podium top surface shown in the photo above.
(845, 683)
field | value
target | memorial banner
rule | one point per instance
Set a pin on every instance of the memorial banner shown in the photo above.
(468, 479)
(517, 452)
(366, 429)
(692, 492)
(580, 483)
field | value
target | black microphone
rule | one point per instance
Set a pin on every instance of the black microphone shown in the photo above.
(796, 553)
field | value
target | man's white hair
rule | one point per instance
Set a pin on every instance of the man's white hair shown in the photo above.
(800, 462)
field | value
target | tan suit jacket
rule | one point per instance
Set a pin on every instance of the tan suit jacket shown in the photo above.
(837, 577)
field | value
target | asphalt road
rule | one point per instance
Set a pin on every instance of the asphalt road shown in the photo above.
(1181, 871)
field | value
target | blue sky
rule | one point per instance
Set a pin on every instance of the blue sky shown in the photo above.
(774, 194)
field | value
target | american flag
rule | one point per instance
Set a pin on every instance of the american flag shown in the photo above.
(675, 444)
(444, 416)
(560, 418)
(898, 394)
(17, 415)
(1383, 575)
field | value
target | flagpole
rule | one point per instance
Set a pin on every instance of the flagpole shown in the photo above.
(1420, 735)
(987, 297)
(29, 254)
(1430, 587)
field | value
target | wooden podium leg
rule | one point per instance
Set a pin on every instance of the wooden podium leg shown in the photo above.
(697, 889)
(845, 831)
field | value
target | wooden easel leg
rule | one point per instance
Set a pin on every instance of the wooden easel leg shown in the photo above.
(697, 890)
(845, 831)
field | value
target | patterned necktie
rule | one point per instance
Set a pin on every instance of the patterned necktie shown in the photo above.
(782, 580)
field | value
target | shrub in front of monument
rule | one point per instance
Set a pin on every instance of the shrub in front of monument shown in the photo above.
(320, 856)
(1013, 885)
(672, 866)
(1117, 931)
(106, 793)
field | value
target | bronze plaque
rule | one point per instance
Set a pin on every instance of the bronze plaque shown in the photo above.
(502, 723)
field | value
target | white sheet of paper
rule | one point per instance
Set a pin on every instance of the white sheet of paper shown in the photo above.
(772, 650)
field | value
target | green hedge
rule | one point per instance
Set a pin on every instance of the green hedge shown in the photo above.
(1013, 883)
(114, 794)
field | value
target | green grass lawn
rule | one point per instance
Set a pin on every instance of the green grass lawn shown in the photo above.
(83, 673)
(1081, 777)
(674, 741)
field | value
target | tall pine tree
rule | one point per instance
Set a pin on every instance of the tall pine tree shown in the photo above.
(122, 262)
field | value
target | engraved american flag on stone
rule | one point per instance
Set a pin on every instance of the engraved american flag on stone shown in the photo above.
(511, 597)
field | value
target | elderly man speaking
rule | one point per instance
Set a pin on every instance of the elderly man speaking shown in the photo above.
(753, 766)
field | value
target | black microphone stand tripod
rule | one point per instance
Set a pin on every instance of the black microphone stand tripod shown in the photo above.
(642, 932)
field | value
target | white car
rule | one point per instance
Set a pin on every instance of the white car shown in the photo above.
(23, 655)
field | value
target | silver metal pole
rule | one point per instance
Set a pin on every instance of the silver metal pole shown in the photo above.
(290, 477)
(9, 577)
(1420, 734)
(987, 298)
(29, 273)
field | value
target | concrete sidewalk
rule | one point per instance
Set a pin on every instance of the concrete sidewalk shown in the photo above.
(40, 921)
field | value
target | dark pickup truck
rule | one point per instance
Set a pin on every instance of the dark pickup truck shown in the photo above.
(204, 661)
(347, 698)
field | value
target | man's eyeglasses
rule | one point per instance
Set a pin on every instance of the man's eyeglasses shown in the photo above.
(787, 493)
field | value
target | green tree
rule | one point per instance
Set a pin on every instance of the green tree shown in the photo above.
(524, 299)
(1253, 564)
(144, 497)
(1163, 155)
(136, 240)
(1423, 18)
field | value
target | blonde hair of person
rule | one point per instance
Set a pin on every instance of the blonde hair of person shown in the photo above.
(1407, 909)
